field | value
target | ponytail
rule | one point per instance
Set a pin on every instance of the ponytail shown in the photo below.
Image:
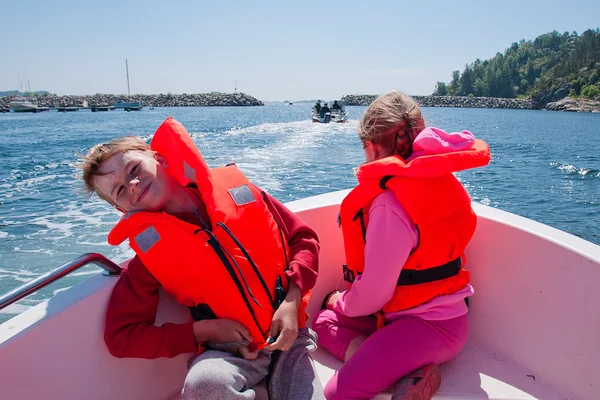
(393, 120)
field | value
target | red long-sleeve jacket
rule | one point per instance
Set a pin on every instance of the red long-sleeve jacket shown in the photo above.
(130, 330)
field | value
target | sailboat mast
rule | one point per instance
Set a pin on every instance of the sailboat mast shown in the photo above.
(127, 70)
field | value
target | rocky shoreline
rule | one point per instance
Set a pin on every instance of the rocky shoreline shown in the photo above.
(450, 101)
(576, 105)
(242, 99)
(148, 100)
(565, 104)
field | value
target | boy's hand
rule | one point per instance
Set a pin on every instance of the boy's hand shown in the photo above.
(248, 354)
(220, 331)
(284, 327)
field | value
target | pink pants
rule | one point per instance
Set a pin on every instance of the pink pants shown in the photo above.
(388, 354)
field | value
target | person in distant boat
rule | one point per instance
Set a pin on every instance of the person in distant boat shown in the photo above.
(242, 262)
(324, 110)
(317, 107)
(405, 228)
(335, 105)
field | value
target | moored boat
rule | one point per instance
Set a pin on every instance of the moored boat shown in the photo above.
(22, 105)
(128, 105)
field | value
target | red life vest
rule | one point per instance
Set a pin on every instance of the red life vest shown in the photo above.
(234, 265)
(439, 206)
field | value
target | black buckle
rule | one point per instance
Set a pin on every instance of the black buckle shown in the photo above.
(348, 274)
(279, 293)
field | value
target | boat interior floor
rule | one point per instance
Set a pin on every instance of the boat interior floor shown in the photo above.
(475, 374)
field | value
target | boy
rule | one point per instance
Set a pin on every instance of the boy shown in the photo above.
(240, 260)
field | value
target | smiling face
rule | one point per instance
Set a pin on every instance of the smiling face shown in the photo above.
(135, 180)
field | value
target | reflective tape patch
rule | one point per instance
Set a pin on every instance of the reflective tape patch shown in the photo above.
(189, 172)
(242, 195)
(147, 238)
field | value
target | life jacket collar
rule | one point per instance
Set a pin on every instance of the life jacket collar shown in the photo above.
(427, 166)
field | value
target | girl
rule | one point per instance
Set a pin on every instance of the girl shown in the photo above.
(405, 229)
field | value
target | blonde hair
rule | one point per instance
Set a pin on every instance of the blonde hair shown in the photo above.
(393, 121)
(91, 163)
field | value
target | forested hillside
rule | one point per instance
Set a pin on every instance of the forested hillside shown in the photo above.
(549, 68)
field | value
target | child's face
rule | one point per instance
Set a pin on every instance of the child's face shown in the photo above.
(368, 150)
(135, 181)
(374, 151)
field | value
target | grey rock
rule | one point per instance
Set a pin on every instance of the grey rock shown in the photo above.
(574, 105)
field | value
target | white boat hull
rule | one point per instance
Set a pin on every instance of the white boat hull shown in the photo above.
(534, 322)
(23, 106)
(335, 116)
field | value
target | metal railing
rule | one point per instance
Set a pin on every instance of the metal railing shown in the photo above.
(110, 269)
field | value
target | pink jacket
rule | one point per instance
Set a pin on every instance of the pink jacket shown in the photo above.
(391, 236)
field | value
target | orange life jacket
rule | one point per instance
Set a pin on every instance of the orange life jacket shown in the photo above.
(439, 206)
(234, 266)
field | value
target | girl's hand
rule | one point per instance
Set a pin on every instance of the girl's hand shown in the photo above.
(332, 299)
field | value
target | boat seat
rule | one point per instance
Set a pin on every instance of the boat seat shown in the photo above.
(474, 374)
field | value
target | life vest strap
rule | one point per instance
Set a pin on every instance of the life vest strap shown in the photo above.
(415, 277)
(250, 261)
(363, 227)
(214, 243)
(383, 182)
(202, 311)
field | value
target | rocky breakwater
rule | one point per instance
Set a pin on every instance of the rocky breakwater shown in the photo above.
(154, 100)
(201, 100)
(449, 101)
(572, 104)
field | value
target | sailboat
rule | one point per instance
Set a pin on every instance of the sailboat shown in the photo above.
(128, 106)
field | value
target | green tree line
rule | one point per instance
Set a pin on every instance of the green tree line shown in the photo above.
(550, 67)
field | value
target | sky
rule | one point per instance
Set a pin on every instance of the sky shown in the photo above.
(272, 50)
